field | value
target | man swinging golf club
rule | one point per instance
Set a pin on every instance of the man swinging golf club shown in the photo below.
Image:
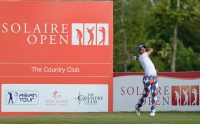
(150, 79)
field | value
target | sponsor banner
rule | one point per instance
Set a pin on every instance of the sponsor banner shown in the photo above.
(55, 43)
(64, 44)
(174, 94)
(54, 98)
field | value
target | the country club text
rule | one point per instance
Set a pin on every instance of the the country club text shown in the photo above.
(55, 70)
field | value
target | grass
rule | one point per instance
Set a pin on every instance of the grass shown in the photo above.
(106, 118)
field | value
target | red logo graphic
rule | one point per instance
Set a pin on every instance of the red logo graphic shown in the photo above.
(103, 31)
(175, 95)
(194, 95)
(185, 95)
(55, 95)
(90, 34)
(56, 100)
(79, 36)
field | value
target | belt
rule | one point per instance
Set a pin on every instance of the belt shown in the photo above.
(149, 75)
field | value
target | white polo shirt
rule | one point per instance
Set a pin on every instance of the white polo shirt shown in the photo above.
(147, 64)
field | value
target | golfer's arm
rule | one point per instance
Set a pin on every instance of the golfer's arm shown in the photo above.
(149, 50)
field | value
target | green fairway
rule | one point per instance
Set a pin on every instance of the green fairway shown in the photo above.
(106, 118)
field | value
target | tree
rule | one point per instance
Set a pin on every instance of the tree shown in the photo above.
(130, 20)
(172, 13)
(126, 55)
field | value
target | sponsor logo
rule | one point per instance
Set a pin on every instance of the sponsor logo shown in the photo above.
(185, 95)
(163, 95)
(90, 34)
(16, 97)
(89, 99)
(53, 33)
(56, 100)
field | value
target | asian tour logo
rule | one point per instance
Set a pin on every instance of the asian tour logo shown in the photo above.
(90, 34)
(89, 99)
(21, 97)
(185, 95)
(56, 100)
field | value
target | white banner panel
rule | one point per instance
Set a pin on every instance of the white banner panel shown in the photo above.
(54, 98)
(174, 94)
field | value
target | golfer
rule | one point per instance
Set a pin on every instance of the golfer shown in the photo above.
(150, 79)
